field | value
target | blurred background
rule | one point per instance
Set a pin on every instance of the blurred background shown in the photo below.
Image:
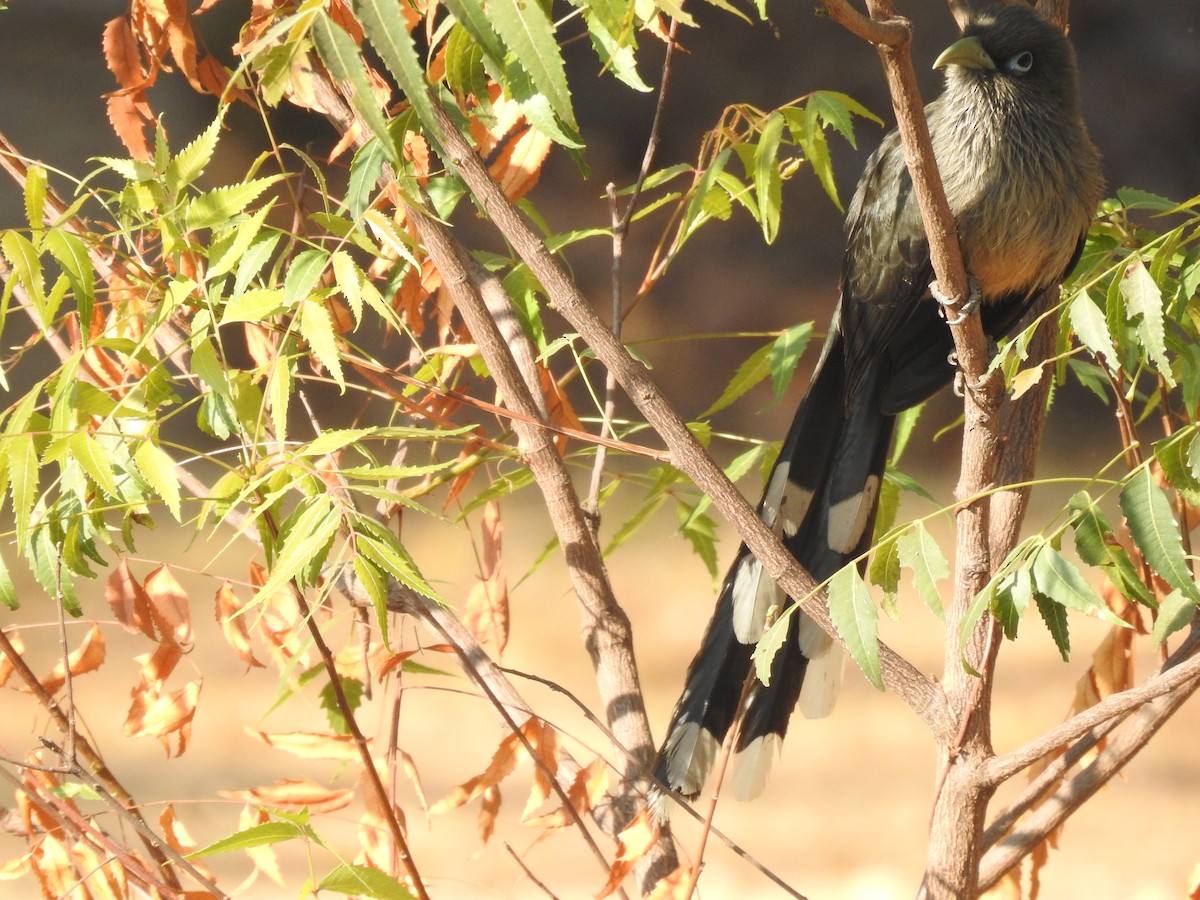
(845, 814)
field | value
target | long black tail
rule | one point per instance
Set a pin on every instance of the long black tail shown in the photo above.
(821, 500)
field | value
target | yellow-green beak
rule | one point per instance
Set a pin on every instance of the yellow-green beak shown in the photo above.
(968, 53)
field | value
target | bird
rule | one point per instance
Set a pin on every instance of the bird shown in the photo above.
(1023, 180)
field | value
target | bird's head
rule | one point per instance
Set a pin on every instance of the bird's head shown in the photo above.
(1011, 51)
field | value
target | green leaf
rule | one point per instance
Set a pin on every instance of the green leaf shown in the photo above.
(354, 690)
(856, 619)
(615, 54)
(1055, 577)
(770, 644)
(304, 542)
(158, 468)
(527, 31)
(364, 882)
(756, 368)
(768, 183)
(253, 305)
(816, 151)
(1175, 612)
(27, 267)
(8, 591)
(1154, 530)
(22, 480)
(1144, 308)
(257, 836)
(921, 553)
(1173, 454)
(344, 60)
(384, 25)
(195, 157)
(838, 110)
(35, 196)
(1089, 325)
(384, 549)
(785, 353)
(1055, 617)
(316, 326)
(1097, 545)
(71, 254)
(884, 570)
(217, 207)
(95, 460)
(476, 23)
(225, 255)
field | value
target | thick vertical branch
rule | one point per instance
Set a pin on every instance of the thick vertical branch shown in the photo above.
(607, 632)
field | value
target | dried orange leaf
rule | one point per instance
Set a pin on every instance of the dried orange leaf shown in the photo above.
(487, 603)
(504, 760)
(587, 789)
(233, 626)
(6, 664)
(170, 604)
(88, 657)
(488, 810)
(295, 793)
(308, 745)
(129, 602)
(163, 715)
(543, 775)
(158, 666)
(519, 164)
(674, 886)
(632, 843)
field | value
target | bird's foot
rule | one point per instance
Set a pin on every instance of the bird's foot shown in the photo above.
(961, 385)
(968, 308)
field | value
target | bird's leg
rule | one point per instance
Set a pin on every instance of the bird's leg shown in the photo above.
(969, 307)
(960, 378)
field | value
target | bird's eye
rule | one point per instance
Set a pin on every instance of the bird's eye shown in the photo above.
(1021, 63)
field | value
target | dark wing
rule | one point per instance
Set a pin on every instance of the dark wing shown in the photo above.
(886, 269)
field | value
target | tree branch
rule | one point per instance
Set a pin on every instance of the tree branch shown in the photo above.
(921, 694)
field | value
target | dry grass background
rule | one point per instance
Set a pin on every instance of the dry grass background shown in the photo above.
(844, 816)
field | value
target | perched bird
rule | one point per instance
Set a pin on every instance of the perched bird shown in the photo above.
(1023, 180)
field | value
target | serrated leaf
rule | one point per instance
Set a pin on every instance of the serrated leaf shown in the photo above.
(71, 254)
(528, 33)
(786, 353)
(1008, 602)
(1059, 580)
(756, 368)
(475, 22)
(920, 553)
(304, 542)
(1155, 531)
(22, 480)
(1089, 325)
(27, 268)
(768, 183)
(615, 54)
(1055, 617)
(158, 468)
(1144, 307)
(856, 619)
(816, 151)
(253, 305)
(8, 591)
(884, 570)
(256, 836)
(1175, 612)
(384, 549)
(364, 882)
(35, 196)
(385, 27)
(316, 326)
(224, 257)
(838, 110)
(218, 206)
(344, 60)
(94, 459)
(1098, 546)
(195, 157)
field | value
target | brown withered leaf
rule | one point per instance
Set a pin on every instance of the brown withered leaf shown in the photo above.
(128, 601)
(489, 808)
(87, 657)
(517, 168)
(486, 611)
(310, 745)
(121, 54)
(106, 875)
(260, 345)
(169, 605)
(156, 714)
(158, 666)
(409, 765)
(128, 111)
(397, 659)
(263, 856)
(673, 886)
(177, 24)
(51, 863)
(295, 793)
(178, 837)
(587, 789)
(504, 760)
(543, 775)
(562, 413)
(352, 662)
(632, 843)
(233, 626)
(374, 847)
